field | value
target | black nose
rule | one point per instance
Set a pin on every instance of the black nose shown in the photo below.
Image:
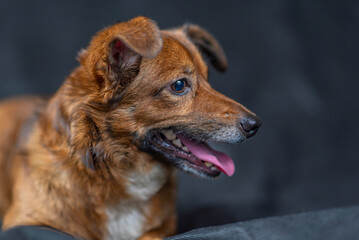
(249, 125)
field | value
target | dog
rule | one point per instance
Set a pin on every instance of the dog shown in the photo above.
(97, 160)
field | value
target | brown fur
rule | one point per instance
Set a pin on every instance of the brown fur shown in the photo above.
(63, 160)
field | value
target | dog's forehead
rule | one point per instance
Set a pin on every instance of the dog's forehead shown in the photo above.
(181, 54)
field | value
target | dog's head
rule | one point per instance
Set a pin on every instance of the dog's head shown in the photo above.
(150, 88)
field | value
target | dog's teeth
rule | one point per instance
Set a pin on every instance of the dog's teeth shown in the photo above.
(185, 149)
(214, 168)
(208, 164)
(177, 143)
(169, 134)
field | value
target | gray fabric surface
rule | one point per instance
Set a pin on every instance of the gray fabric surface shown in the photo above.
(34, 233)
(334, 224)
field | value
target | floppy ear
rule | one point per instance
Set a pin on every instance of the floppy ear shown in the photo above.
(208, 45)
(111, 62)
(115, 53)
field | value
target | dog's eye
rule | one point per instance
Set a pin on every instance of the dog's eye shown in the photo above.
(179, 86)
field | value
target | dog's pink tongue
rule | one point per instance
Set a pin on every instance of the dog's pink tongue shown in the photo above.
(208, 154)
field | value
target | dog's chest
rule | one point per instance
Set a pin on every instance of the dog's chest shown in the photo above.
(127, 219)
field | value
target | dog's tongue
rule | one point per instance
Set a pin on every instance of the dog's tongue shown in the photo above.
(208, 154)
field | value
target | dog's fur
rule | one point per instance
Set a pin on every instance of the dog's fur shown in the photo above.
(75, 161)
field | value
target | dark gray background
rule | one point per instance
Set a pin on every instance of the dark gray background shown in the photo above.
(294, 63)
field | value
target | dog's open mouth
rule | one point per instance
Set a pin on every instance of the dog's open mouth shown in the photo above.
(191, 155)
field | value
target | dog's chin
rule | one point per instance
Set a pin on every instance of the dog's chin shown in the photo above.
(168, 146)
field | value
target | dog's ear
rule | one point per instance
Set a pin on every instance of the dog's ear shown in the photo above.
(115, 53)
(208, 45)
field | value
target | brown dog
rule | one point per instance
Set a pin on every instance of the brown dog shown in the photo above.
(97, 159)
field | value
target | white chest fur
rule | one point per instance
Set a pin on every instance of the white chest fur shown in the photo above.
(126, 220)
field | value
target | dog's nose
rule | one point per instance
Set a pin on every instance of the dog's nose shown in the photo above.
(249, 125)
